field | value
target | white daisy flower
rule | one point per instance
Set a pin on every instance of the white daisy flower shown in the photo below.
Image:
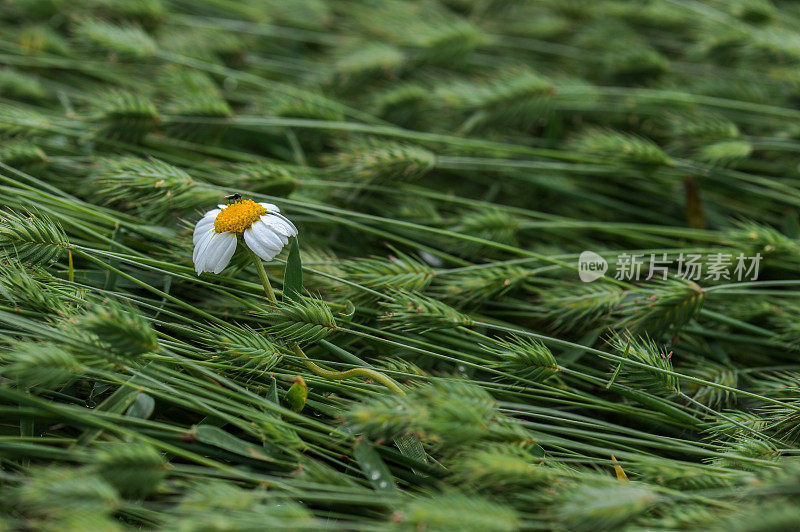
(264, 229)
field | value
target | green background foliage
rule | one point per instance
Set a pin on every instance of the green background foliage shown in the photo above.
(446, 162)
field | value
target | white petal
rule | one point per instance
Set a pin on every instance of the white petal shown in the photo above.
(202, 230)
(222, 206)
(289, 224)
(291, 228)
(206, 249)
(279, 225)
(226, 247)
(205, 222)
(211, 215)
(270, 207)
(200, 244)
(274, 236)
(266, 235)
(262, 249)
(216, 247)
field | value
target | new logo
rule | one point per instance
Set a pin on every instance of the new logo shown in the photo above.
(591, 266)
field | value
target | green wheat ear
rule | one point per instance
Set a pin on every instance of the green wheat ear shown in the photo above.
(135, 470)
(66, 493)
(128, 40)
(31, 238)
(226, 504)
(242, 347)
(578, 307)
(651, 359)
(306, 320)
(16, 120)
(147, 13)
(412, 311)
(489, 467)
(24, 155)
(401, 271)
(358, 62)
(479, 286)
(460, 511)
(125, 115)
(523, 358)
(661, 306)
(372, 159)
(266, 177)
(123, 329)
(21, 85)
(613, 146)
(44, 366)
(33, 288)
(607, 505)
(151, 188)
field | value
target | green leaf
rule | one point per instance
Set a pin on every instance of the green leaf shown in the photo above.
(142, 407)
(217, 437)
(373, 466)
(118, 402)
(293, 276)
(297, 394)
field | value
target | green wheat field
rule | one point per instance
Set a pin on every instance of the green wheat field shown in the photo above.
(421, 265)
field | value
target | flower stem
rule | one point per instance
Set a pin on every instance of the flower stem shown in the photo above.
(317, 370)
(262, 275)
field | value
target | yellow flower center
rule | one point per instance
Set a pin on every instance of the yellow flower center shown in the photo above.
(237, 217)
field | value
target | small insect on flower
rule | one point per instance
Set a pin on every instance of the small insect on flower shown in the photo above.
(264, 229)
